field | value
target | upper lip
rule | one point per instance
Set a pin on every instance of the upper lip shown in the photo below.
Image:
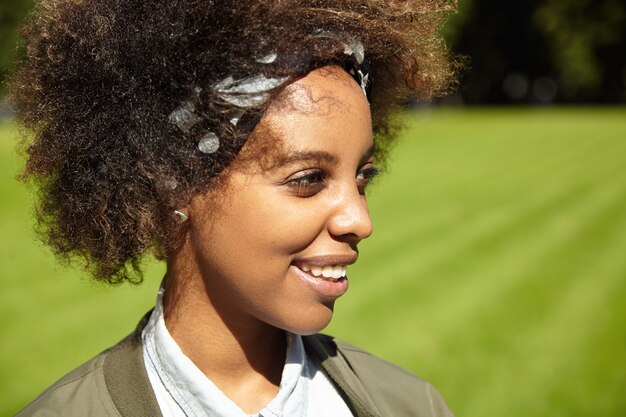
(324, 260)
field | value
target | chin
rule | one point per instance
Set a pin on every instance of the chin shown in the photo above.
(309, 322)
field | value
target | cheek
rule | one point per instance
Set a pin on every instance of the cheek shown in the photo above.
(282, 226)
(257, 233)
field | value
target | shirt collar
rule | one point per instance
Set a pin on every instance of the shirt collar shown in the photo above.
(198, 396)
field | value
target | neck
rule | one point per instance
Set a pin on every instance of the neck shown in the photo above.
(240, 354)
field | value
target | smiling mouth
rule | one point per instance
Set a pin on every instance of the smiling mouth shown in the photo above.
(326, 272)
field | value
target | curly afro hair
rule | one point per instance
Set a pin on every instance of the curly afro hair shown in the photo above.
(100, 80)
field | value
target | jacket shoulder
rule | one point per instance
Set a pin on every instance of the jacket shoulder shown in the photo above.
(113, 384)
(81, 392)
(394, 390)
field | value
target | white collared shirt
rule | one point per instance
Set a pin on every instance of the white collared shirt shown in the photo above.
(182, 390)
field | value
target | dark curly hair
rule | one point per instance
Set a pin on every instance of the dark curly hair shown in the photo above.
(100, 80)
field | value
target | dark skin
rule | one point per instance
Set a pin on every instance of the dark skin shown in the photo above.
(238, 282)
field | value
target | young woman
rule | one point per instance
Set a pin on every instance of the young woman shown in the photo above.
(234, 140)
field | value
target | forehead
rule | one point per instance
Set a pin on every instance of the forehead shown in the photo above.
(320, 91)
(327, 103)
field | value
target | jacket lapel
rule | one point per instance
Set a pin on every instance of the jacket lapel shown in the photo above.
(324, 351)
(127, 379)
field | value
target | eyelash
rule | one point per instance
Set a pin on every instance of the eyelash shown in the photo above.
(311, 182)
(367, 176)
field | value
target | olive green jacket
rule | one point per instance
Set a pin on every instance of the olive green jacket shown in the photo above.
(115, 384)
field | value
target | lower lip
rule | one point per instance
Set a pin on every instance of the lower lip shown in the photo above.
(325, 288)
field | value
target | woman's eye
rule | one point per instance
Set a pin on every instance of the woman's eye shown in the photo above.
(365, 177)
(307, 183)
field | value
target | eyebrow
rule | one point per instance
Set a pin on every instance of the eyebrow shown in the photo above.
(306, 156)
(318, 156)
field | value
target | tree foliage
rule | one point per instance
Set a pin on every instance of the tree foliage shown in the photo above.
(578, 45)
(587, 43)
(12, 12)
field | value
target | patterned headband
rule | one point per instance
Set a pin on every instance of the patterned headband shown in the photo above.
(242, 95)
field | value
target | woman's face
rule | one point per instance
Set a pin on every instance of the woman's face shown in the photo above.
(276, 246)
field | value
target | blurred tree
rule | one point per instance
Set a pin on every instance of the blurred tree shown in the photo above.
(11, 14)
(587, 40)
(542, 50)
(500, 41)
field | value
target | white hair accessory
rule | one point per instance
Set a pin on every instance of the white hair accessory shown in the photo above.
(180, 216)
(247, 92)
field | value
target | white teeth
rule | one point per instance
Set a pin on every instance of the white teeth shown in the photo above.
(327, 271)
(337, 271)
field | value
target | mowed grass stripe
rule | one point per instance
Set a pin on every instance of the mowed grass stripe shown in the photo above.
(551, 325)
(483, 234)
(419, 229)
(462, 289)
(475, 196)
(604, 362)
(463, 200)
(490, 162)
(426, 214)
(580, 315)
(507, 149)
(528, 251)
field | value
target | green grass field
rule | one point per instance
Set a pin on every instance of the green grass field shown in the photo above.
(497, 269)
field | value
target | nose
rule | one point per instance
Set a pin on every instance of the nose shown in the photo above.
(351, 220)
